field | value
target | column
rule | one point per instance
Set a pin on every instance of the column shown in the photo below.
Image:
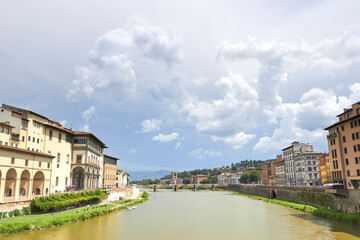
(30, 188)
(2, 189)
(17, 189)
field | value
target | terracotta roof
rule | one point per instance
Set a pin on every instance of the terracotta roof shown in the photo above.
(26, 151)
(90, 134)
(60, 128)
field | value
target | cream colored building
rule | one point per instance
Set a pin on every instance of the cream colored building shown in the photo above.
(23, 173)
(87, 161)
(229, 178)
(110, 172)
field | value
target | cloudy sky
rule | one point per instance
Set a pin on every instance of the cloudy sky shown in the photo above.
(180, 85)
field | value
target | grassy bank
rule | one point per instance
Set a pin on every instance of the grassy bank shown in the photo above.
(41, 221)
(348, 218)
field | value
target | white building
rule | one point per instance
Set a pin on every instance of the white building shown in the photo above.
(229, 178)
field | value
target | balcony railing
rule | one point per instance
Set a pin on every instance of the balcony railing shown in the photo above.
(332, 135)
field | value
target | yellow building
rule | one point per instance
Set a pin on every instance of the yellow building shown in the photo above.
(24, 174)
(110, 172)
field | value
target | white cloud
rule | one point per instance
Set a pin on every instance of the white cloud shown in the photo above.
(87, 114)
(202, 153)
(178, 144)
(166, 138)
(236, 141)
(132, 151)
(85, 128)
(115, 55)
(149, 125)
(305, 120)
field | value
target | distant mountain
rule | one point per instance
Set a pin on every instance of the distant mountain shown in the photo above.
(139, 175)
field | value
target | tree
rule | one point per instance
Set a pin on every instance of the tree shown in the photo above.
(255, 177)
(245, 178)
(186, 180)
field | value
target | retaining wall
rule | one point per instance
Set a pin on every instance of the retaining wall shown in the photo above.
(347, 201)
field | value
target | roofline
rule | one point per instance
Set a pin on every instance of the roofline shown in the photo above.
(286, 148)
(338, 123)
(21, 109)
(7, 125)
(26, 151)
(63, 129)
(111, 157)
(90, 134)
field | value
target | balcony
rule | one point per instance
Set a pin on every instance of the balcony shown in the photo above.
(15, 136)
(332, 135)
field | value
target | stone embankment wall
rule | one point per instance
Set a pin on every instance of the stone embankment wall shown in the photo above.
(9, 206)
(122, 193)
(346, 200)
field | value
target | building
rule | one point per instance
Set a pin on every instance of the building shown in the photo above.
(307, 169)
(7, 137)
(323, 168)
(198, 178)
(229, 178)
(289, 153)
(24, 174)
(119, 178)
(34, 132)
(87, 161)
(344, 148)
(110, 172)
(280, 177)
(267, 170)
(125, 179)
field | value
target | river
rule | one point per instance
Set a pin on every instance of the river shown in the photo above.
(202, 215)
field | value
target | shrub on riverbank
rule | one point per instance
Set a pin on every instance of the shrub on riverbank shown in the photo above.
(59, 201)
(349, 218)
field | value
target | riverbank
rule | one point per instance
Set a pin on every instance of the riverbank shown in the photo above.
(348, 218)
(42, 221)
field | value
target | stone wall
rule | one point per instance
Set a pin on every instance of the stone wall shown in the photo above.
(9, 206)
(346, 200)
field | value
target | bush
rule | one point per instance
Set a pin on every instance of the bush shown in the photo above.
(60, 201)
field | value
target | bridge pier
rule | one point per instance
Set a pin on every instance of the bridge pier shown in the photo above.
(175, 188)
(155, 188)
(194, 188)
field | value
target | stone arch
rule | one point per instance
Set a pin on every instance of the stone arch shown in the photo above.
(38, 183)
(10, 182)
(273, 193)
(24, 183)
(78, 178)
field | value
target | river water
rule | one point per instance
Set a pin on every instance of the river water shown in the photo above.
(202, 215)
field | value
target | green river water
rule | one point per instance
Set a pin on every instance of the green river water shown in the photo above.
(202, 215)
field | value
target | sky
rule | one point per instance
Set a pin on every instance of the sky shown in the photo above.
(180, 85)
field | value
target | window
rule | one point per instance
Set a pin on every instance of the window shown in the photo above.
(59, 137)
(36, 124)
(57, 181)
(29, 138)
(354, 148)
(23, 139)
(58, 158)
(353, 136)
(48, 165)
(67, 159)
(1, 129)
(351, 124)
(345, 150)
(66, 181)
(348, 173)
(346, 161)
(12, 160)
(6, 130)
(78, 158)
(38, 140)
(6, 143)
(342, 128)
(356, 160)
(24, 125)
(344, 139)
(50, 134)
(33, 139)
(26, 162)
(58, 165)
(358, 172)
(39, 164)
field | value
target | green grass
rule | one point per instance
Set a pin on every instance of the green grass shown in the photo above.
(348, 218)
(297, 206)
(40, 221)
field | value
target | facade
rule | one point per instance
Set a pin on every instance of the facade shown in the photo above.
(280, 176)
(323, 168)
(198, 178)
(24, 174)
(7, 136)
(125, 180)
(252, 169)
(267, 170)
(110, 172)
(344, 148)
(288, 156)
(229, 178)
(87, 161)
(307, 169)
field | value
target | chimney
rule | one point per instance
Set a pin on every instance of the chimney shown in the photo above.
(72, 129)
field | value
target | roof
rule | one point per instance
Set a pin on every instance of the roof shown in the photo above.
(60, 128)
(111, 157)
(337, 123)
(92, 135)
(6, 125)
(20, 110)
(26, 151)
(286, 148)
